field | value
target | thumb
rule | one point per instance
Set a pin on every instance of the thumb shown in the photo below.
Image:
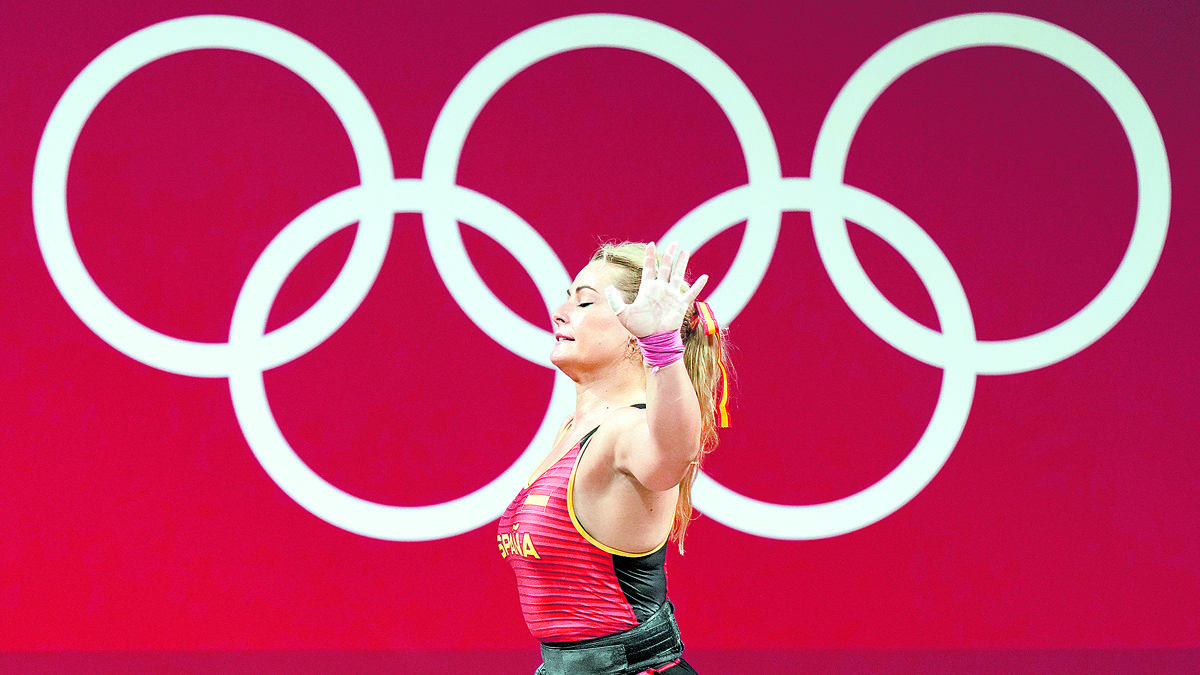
(615, 301)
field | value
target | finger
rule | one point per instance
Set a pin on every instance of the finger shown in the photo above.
(694, 291)
(615, 301)
(649, 268)
(679, 271)
(668, 262)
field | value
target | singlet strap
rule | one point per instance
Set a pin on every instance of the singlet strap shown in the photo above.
(588, 436)
(571, 504)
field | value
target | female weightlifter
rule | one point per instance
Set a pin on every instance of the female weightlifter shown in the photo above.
(587, 535)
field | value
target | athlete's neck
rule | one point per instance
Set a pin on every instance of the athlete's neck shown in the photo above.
(594, 400)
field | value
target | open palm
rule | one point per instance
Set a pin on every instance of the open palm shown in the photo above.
(661, 301)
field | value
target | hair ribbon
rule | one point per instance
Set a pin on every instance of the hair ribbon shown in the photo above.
(707, 322)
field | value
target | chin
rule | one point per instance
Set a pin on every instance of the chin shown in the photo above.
(565, 363)
(560, 357)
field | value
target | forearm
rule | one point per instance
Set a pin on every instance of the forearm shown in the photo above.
(673, 425)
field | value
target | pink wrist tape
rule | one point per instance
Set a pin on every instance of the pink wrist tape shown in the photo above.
(661, 349)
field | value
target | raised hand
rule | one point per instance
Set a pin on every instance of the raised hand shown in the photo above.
(661, 302)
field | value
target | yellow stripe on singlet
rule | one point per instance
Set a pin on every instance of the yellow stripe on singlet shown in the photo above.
(537, 500)
(583, 531)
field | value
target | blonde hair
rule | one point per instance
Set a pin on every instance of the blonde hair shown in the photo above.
(702, 356)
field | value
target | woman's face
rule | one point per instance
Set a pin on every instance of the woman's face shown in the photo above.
(588, 336)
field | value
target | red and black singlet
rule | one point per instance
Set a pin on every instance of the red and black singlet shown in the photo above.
(571, 586)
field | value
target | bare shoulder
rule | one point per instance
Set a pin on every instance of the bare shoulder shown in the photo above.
(618, 429)
(624, 419)
(612, 505)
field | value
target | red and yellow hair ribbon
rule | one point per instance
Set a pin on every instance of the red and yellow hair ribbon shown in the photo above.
(707, 322)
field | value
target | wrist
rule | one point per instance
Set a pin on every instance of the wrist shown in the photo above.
(661, 349)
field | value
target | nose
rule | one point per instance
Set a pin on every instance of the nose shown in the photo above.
(559, 316)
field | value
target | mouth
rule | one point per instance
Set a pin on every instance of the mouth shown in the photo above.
(563, 338)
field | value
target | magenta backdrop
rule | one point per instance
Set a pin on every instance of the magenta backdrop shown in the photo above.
(135, 516)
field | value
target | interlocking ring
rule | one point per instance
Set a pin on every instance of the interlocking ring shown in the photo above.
(442, 202)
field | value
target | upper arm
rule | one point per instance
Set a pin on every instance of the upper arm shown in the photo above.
(638, 454)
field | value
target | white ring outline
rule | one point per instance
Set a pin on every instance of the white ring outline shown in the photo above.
(831, 204)
(997, 357)
(906, 480)
(79, 101)
(249, 396)
(619, 31)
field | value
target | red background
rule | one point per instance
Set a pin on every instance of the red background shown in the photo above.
(135, 519)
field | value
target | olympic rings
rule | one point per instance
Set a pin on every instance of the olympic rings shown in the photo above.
(761, 202)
